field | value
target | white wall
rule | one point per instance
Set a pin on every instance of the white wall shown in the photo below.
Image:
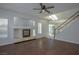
(21, 22)
(71, 33)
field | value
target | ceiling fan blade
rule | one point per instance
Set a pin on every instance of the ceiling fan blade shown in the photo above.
(36, 8)
(47, 11)
(50, 7)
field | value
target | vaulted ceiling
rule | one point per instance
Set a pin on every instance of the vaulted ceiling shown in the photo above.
(62, 10)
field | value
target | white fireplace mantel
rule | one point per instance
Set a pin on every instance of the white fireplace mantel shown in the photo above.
(19, 27)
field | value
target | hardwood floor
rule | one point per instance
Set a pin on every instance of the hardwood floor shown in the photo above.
(42, 46)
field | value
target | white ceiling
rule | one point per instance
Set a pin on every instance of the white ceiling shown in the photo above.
(62, 10)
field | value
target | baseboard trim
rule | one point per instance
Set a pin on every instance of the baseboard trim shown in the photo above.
(24, 41)
(28, 40)
(68, 41)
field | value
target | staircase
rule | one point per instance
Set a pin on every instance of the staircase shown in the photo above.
(68, 22)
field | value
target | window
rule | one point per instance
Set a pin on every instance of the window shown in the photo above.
(15, 18)
(39, 27)
(34, 33)
(51, 29)
(3, 22)
(3, 28)
(33, 23)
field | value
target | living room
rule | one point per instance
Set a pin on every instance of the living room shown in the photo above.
(20, 23)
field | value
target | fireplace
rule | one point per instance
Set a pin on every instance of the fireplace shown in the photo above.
(26, 33)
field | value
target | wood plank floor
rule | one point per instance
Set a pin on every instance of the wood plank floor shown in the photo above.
(42, 46)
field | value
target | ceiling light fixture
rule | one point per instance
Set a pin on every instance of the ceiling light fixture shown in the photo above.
(43, 10)
(53, 17)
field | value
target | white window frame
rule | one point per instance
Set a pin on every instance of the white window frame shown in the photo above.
(40, 28)
(34, 32)
(51, 29)
(3, 28)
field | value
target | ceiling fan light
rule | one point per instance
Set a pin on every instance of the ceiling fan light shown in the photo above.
(43, 10)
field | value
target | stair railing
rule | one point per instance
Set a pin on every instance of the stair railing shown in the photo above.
(69, 20)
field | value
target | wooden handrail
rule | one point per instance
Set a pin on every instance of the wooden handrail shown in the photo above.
(68, 20)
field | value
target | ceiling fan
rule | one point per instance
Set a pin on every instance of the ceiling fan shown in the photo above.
(43, 8)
